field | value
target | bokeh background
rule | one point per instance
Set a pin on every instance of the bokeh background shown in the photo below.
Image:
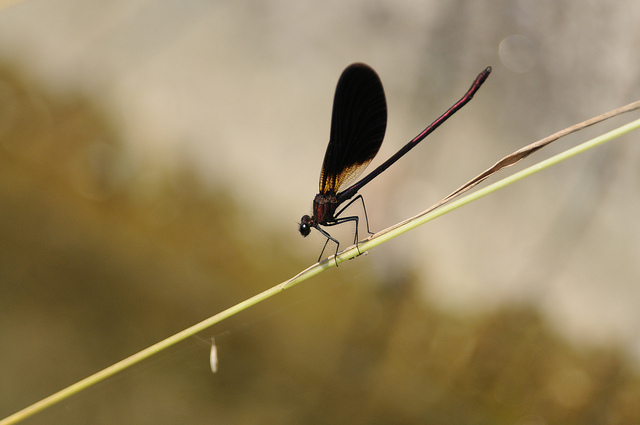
(156, 156)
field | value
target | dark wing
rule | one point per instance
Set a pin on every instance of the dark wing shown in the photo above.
(358, 125)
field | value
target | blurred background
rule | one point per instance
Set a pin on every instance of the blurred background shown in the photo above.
(156, 157)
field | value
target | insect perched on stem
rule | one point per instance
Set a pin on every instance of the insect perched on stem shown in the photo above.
(358, 124)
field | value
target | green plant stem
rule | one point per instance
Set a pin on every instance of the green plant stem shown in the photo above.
(349, 253)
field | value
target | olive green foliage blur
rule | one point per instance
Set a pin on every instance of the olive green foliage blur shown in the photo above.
(103, 254)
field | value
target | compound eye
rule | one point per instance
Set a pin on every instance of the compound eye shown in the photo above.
(305, 225)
